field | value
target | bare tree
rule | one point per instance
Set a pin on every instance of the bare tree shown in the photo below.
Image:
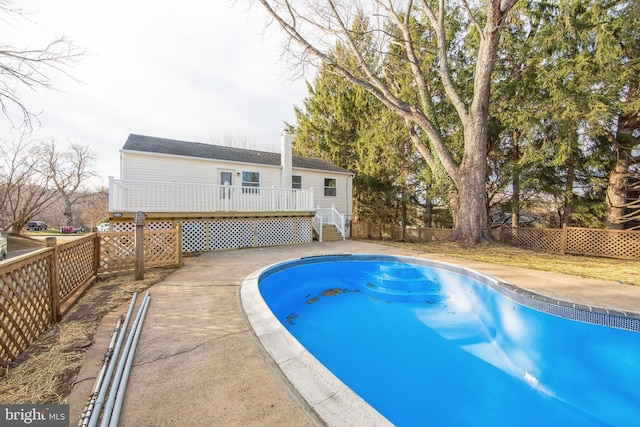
(24, 192)
(314, 28)
(94, 208)
(69, 172)
(30, 68)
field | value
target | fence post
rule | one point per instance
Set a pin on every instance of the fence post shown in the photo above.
(563, 240)
(50, 242)
(179, 244)
(138, 220)
(96, 249)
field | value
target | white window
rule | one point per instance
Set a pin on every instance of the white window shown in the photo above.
(296, 182)
(251, 179)
(330, 187)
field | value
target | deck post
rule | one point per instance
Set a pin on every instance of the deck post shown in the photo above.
(138, 220)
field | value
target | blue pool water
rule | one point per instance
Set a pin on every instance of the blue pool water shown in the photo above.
(436, 346)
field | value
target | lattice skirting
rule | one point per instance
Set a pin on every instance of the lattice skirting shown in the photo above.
(204, 235)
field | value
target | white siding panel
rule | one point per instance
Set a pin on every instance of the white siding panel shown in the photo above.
(141, 167)
(315, 180)
(145, 167)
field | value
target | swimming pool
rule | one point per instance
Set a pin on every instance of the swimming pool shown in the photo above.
(427, 343)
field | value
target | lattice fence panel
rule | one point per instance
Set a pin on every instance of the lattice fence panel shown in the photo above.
(194, 236)
(435, 234)
(544, 239)
(495, 232)
(275, 231)
(229, 234)
(411, 235)
(158, 225)
(421, 234)
(117, 251)
(76, 265)
(25, 305)
(608, 243)
(161, 247)
(304, 233)
(122, 226)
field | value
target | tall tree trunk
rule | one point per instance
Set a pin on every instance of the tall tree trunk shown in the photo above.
(568, 189)
(515, 179)
(68, 210)
(472, 226)
(621, 161)
(403, 210)
(427, 218)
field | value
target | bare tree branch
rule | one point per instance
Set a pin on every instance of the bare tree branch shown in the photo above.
(69, 172)
(438, 25)
(24, 191)
(32, 69)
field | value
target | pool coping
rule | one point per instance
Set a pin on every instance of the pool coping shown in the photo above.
(333, 400)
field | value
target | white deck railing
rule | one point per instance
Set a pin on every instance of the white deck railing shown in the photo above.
(329, 216)
(149, 196)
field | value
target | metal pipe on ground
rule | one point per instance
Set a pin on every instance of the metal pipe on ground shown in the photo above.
(125, 375)
(106, 416)
(95, 413)
(86, 414)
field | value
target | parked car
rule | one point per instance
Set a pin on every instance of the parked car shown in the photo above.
(36, 225)
(3, 245)
(104, 227)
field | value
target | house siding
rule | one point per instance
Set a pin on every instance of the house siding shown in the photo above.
(315, 179)
(140, 166)
(150, 167)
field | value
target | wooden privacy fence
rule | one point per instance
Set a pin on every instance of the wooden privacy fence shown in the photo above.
(623, 244)
(38, 288)
(369, 230)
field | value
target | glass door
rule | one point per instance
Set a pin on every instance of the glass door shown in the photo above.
(226, 178)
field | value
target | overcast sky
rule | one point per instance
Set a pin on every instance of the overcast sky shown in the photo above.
(194, 70)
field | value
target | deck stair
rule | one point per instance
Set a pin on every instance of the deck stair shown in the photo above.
(330, 233)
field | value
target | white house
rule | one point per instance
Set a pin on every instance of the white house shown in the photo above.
(219, 192)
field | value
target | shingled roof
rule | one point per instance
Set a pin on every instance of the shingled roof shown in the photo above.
(174, 147)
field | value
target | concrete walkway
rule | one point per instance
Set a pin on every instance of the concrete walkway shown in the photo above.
(198, 362)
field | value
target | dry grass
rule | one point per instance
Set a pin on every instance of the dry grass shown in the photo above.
(45, 372)
(615, 270)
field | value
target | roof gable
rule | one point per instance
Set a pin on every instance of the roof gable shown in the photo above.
(174, 147)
